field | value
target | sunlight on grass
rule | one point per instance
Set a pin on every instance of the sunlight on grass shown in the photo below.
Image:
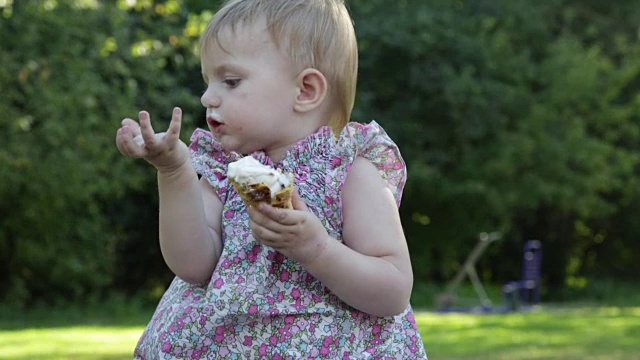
(594, 333)
(77, 342)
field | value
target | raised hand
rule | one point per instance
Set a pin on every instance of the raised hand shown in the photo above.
(297, 233)
(163, 150)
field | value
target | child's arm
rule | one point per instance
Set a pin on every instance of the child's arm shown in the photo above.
(373, 271)
(189, 232)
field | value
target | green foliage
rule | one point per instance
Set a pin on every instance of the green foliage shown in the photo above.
(70, 75)
(512, 115)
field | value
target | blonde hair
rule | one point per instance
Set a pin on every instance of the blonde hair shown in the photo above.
(315, 34)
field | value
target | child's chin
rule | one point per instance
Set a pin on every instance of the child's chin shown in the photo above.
(234, 147)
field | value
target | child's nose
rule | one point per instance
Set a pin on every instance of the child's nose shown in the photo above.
(209, 99)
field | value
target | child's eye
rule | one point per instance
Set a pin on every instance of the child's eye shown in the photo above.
(232, 82)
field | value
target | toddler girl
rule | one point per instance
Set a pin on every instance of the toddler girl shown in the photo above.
(330, 278)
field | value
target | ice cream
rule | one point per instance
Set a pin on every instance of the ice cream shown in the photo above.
(139, 140)
(257, 183)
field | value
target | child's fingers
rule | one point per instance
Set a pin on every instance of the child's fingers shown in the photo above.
(134, 129)
(280, 216)
(173, 133)
(261, 216)
(126, 143)
(297, 201)
(264, 235)
(121, 136)
(132, 125)
(148, 135)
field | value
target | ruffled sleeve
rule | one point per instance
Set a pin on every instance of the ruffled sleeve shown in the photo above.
(210, 160)
(372, 142)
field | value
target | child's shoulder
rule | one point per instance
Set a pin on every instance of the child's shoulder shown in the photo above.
(370, 148)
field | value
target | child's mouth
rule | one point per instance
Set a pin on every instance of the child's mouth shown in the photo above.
(214, 124)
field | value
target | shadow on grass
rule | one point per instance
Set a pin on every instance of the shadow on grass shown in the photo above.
(113, 313)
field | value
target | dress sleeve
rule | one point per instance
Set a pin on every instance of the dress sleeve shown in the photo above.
(372, 142)
(210, 160)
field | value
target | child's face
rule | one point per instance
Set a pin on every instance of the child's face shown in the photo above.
(251, 88)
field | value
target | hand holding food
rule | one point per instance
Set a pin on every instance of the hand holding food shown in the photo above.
(257, 183)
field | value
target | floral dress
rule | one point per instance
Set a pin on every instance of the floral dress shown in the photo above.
(260, 304)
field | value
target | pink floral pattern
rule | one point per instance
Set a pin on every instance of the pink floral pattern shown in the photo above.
(260, 304)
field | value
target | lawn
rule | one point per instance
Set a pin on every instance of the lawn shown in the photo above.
(70, 342)
(547, 333)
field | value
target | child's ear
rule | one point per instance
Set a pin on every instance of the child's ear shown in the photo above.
(312, 90)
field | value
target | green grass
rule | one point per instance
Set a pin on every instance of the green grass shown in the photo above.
(550, 332)
(101, 331)
(561, 333)
(71, 342)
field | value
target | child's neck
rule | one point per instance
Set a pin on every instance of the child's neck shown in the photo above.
(277, 154)
(300, 129)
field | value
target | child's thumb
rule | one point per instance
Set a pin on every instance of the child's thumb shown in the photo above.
(297, 201)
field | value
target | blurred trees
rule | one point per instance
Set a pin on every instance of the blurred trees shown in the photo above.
(513, 116)
(76, 217)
